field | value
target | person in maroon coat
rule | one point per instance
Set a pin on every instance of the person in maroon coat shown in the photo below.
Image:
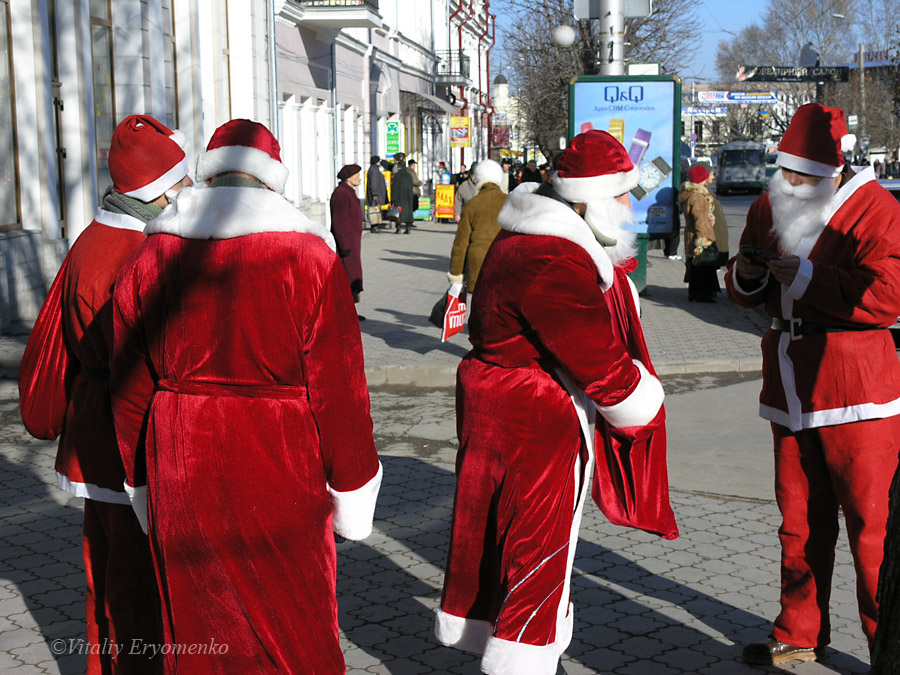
(557, 351)
(240, 401)
(347, 227)
(147, 165)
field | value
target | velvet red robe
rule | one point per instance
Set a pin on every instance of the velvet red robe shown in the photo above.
(548, 353)
(238, 348)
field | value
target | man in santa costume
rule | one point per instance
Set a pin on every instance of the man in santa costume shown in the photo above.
(64, 391)
(831, 378)
(242, 415)
(555, 338)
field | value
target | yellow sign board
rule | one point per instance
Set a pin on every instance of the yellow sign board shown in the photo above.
(443, 201)
(460, 136)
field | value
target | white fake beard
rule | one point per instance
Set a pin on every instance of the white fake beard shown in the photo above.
(797, 210)
(611, 219)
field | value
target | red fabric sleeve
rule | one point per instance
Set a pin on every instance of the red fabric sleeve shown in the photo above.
(131, 379)
(566, 308)
(47, 368)
(338, 395)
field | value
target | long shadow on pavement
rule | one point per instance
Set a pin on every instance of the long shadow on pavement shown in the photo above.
(398, 337)
(719, 313)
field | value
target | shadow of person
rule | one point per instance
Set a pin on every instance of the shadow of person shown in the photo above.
(397, 335)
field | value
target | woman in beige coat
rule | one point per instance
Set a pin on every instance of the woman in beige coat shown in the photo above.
(477, 225)
(698, 207)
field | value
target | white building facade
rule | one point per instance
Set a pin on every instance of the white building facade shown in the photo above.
(340, 81)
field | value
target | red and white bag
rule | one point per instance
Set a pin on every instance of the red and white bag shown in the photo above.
(455, 314)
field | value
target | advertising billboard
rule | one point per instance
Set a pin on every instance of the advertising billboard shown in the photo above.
(459, 132)
(644, 114)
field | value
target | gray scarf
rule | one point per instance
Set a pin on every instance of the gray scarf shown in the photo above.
(119, 203)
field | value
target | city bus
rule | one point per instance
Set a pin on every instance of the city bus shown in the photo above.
(741, 166)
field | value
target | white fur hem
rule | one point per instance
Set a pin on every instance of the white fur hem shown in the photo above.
(801, 281)
(91, 491)
(171, 177)
(470, 635)
(201, 212)
(640, 407)
(354, 510)
(246, 160)
(138, 498)
(120, 221)
(503, 657)
(803, 165)
(740, 289)
(583, 190)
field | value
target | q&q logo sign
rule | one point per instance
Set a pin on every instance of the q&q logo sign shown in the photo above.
(632, 94)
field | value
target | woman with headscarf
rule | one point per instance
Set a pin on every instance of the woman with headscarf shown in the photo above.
(347, 227)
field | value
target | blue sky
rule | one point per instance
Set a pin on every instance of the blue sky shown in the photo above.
(720, 20)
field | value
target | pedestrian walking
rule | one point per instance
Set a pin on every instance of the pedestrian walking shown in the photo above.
(64, 391)
(831, 378)
(478, 226)
(464, 193)
(416, 181)
(555, 338)
(240, 398)
(376, 194)
(346, 226)
(403, 195)
(698, 207)
(531, 173)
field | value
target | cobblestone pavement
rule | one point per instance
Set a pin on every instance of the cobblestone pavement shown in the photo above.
(643, 605)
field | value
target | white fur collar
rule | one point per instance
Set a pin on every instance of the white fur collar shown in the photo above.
(527, 213)
(201, 212)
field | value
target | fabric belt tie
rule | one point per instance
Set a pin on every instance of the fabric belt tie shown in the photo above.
(198, 388)
(798, 328)
(94, 374)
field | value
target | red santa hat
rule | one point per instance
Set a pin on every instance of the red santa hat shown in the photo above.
(146, 158)
(245, 146)
(814, 141)
(594, 166)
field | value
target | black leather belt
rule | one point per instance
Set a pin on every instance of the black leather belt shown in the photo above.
(798, 328)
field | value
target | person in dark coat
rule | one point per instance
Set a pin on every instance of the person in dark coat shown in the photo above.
(402, 196)
(346, 226)
(376, 194)
(531, 173)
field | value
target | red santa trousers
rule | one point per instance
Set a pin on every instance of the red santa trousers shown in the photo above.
(123, 606)
(816, 471)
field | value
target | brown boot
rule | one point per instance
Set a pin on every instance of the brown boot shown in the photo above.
(772, 652)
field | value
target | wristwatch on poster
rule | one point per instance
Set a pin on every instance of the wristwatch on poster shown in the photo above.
(617, 130)
(639, 145)
(652, 174)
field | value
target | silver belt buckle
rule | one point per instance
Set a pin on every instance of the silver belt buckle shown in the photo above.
(795, 325)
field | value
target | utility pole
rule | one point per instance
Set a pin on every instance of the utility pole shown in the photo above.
(612, 38)
(861, 116)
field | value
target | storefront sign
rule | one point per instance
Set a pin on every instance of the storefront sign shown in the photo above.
(501, 137)
(443, 201)
(459, 132)
(720, 97)
(392, 140)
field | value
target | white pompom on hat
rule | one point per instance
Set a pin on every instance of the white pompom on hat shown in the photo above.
(245, 146)
(488, 171)
(814, 140)
(594, 166)
(146, 158)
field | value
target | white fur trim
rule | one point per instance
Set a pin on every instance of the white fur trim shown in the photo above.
(91, 491)
(831, 417)
(641, 405)
(470, 635)
(527, 213)
(201, 212)
(354, 510)
(866, 175)
(740, 289)
(582, 190)
(801, 282)
(804, 165)
(179, 137)
(120, 221)
(138, 497)
(158, 187)
(488, 171)
(504, 657)
(246, 160)
(848, 142)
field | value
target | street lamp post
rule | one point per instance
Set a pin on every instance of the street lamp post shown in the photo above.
(612, 38)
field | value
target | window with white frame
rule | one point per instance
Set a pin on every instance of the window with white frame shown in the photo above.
(103, 86)
(9, 177)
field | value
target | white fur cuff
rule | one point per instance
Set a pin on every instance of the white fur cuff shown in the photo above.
(454, 278)
(640, 407)
(801, 282)
(470, 635)
(138, 498)
(503, 657)
(354, 510)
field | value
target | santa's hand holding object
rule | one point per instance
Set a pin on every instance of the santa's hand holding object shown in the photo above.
(558, 375)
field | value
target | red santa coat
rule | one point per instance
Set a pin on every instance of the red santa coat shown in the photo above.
(75, 326)
(849, 277)
(238, 348)
(543, 338)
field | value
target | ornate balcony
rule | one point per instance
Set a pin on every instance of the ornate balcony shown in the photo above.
(452, 68)
(338, 14)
